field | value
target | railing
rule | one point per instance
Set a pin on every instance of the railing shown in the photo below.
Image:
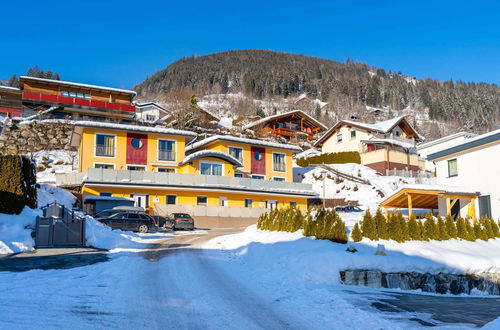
(166, 155)
(105, 151)
(411, 173)
(54, 98)
(95, 175)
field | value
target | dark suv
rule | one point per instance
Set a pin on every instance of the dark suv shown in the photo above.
(180, 221)
(348, 209)
(133, 221)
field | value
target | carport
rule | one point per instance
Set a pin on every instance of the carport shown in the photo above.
(427, 197)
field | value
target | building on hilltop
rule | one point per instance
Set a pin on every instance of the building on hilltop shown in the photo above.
(221, 181)
(384, 146)
(293, 125)
(10, 102)
(151, 112)
(57, 99)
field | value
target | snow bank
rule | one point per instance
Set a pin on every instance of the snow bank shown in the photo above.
(14, 234)
(47, 194)
(321, 261)
(54, 161)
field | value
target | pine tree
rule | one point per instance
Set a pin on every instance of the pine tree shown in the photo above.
(462, 229)
(405, 231)
(487, 227)
(430, 227)
(480, 232)
(494, 228)
(423, 233)
(414, 229)
(442, 229)
(451, 228)
(381, 225)
(471, 234)
(356, 233)
(368, 227)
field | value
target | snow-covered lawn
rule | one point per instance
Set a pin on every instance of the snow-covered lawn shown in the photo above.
(55, 161)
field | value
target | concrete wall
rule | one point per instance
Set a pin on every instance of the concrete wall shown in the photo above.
(477, 170)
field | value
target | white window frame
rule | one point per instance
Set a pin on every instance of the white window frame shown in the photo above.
(211, 162)
(271, 202)
(95, 144)
(242, 152)
(103, 163)
(166, 199)
(339, 135)
(136, 165)
(353, 137)
(448, 165)
(223, 200)
(284, 161)
(158, 151)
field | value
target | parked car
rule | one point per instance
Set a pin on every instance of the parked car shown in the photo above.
(348, 209)
(133, 221)
(161, 221)
(117, 209)
(180, 221)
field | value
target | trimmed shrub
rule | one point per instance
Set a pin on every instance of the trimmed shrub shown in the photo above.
(394, 229)
(356, 233)
(442, 229)
(368, 227)
(331, 158)
(451, 228)
(405, 231)
(414, 229)
(494, 228)
(289, 219)
(430, 227)
(471, 233)
(381, 225)
(17, 184)
(326, 224)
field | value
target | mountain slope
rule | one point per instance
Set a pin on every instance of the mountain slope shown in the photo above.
(346, 86)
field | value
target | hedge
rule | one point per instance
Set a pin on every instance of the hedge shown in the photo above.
(322, 224)
(399, 229)
(17, 184)
(331, 158)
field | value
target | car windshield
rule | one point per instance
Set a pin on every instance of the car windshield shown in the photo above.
(181, 215)
(105, 213)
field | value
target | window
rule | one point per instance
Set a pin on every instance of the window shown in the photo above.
(272, 205)
(72, 94)
(64, 93)
(339, 138)
(257, 177)
(248, 202)
(136, 168)
(77, 95)
(105, 145)
(452, 167)
(106, 194)
(223, 201)
(211, 168)
(238, 175)
(293, 205)
(236, 153)
(166, 150)
(397, 133)
(276, 178)
(171, 199)
(201, 200)
(353, 134)
(150, 117)
(279, 162)
(257, 155)
(105, 166)
(166, 170)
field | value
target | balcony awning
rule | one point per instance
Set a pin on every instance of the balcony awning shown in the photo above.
(211, 153)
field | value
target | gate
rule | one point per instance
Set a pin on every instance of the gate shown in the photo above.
(59, 227)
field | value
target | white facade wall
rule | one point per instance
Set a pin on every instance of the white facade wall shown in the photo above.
(477, 170)
(424, 152)
(348, 143)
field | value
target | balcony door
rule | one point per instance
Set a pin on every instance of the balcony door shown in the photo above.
(137, 149)
(258, 160)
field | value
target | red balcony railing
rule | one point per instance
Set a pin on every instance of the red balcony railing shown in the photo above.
(77, 101)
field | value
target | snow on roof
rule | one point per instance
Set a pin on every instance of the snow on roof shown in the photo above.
(62, 82)
(154, 104)
(15, 89)
(106, 198)
(308, 153)
(211, 153)
(138, 128)
(210, 113)
(467, 144)
(447, 138)
(284, 114)
(391, 141)
(235, 139)
(444, 188)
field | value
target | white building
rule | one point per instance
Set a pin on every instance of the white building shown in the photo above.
(445, 142)
(473, 163)
(150, 112)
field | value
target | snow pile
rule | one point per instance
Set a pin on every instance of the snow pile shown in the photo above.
(299, 257)
(15, 232)
(48, 194)
(55, 161)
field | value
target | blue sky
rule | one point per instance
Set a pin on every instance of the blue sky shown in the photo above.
(119, 43)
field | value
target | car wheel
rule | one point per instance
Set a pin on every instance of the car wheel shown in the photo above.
(143, 229)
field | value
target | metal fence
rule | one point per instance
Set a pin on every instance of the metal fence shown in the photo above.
(59, 227)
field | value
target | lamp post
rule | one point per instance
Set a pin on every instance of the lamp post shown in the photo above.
(323, 176)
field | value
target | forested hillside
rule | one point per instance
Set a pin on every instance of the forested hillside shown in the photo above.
(346, 86)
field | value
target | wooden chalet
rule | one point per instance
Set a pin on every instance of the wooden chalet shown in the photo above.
(10, 102)
(292, 125)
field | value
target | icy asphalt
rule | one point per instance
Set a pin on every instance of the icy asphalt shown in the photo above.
(175, 284)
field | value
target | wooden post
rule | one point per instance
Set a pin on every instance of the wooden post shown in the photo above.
(473, 209)
(386, 213)
(410, 206)
(448, 206)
